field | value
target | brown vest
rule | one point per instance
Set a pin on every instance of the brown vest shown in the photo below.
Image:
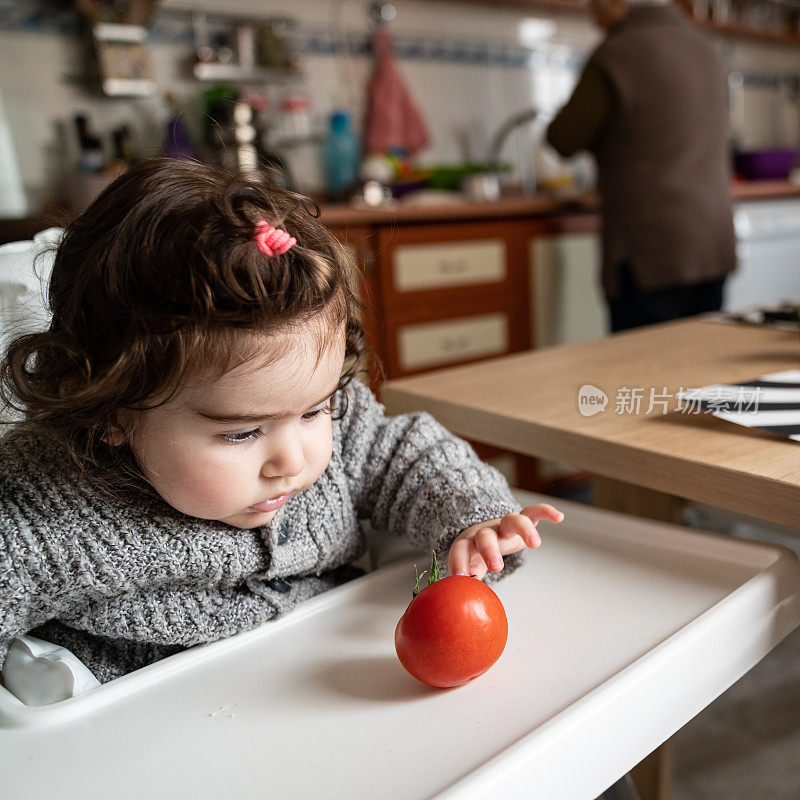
(663, 162)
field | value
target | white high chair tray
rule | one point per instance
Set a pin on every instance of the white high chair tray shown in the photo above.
(620, 631)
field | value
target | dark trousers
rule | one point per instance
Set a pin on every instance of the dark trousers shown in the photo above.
(635, 307)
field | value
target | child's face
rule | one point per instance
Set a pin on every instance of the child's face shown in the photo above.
(234, 449)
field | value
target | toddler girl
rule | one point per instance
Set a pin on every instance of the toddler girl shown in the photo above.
(195, 456)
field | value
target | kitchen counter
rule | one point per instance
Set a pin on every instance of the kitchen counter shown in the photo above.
(342, 215)
(765, 190)
(411, 212)
(543, 205)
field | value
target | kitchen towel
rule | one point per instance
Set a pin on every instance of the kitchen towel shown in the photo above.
(393, 120)
(771, 402)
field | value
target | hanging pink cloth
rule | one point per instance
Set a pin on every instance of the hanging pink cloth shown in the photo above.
(393, 119)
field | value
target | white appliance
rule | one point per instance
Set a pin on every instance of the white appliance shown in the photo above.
(567, 299)
(768, 254)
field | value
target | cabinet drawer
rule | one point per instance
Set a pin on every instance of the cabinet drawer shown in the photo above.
(434, 266)
(434, 343)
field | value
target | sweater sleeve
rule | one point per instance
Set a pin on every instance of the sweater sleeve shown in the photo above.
(582, 120)
(21, 606)
(52, 547)
(412, 478)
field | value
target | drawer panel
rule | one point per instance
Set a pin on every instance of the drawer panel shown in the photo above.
(434, 266)
(435, 343)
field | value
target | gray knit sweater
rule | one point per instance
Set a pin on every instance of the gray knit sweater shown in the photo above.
(125, 583)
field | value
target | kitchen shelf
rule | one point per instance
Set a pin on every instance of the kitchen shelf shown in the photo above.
(582, 6)
(746, 31)
(125, 87)
(237, 74)
(740, 30)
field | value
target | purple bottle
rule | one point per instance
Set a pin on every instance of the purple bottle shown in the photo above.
(176, 141)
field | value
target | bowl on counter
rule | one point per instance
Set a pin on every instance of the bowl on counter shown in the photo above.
(481, 186)
(761, 165)
(403, 189)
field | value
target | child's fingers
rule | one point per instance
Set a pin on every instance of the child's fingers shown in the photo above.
(477, 551)
(542, 511)
(489, 549)
(459, 557)
(519, 525)
(464, 559)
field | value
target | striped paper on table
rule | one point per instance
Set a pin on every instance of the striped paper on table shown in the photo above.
(771, 402)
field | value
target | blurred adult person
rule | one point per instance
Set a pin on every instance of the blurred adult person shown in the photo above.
(651, 106)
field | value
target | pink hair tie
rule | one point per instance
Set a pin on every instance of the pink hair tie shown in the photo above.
(272, 241)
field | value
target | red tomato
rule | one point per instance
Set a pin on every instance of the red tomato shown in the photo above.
(451, 632)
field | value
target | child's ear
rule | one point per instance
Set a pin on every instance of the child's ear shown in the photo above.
(114, 435)
(118, 429)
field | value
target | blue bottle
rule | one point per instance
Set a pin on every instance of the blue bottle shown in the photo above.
(342, 155)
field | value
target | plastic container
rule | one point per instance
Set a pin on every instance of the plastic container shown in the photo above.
(764, 165)
(294, 122)
(299, 143)
(342, 155)
(304, 160)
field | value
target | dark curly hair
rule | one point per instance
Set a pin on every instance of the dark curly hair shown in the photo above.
(155, 282)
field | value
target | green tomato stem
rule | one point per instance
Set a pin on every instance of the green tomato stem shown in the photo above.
(434, 576)
(416, 589)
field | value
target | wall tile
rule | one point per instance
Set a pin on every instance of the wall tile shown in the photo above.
(465, 80)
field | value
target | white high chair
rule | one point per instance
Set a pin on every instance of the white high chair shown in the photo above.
(24, 272)
(620, 631)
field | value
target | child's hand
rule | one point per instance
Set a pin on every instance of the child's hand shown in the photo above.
(480, 548)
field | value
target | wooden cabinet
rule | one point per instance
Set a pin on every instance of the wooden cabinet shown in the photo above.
(452, 292)
(424, 345)
(360, 240)
(443, 293)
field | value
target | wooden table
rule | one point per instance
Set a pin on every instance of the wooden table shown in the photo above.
(646, 461)
(529, 403)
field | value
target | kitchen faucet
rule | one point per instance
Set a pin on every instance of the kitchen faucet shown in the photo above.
(498, 140)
